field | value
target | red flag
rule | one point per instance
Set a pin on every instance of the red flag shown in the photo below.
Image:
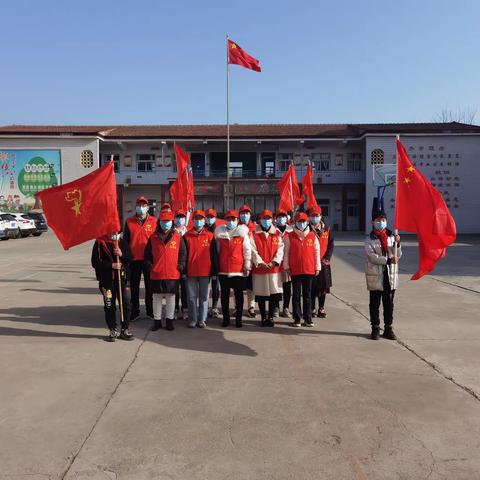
(289, 191)
(421, 209)
(238, 56)
(176, 196)
(307, 188)
(182, 190)
(84, 209)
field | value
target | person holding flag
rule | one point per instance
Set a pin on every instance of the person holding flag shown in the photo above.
(138, 229)
(383, 251)
(165, 258)
(110, 259)
(245, 213)
(281, 222)
(323, 281)
(211, 223)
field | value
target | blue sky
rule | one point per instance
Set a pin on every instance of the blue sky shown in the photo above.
(155, 62)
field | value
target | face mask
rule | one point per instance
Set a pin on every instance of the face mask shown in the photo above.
(180, 221)
(266, 222)
(210, 221)
(141, 210)
(315, 220)
(231, 224)
(301, 225)
(382, 225)
(244, 217)
(281, 221)
(200, 223)
(165, 225)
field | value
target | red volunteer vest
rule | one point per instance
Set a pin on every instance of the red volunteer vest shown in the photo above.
(302, 254)
(139, 235)
(165, 258)
(267, 246)
(231, 255)
(323, 239)
(198, 245)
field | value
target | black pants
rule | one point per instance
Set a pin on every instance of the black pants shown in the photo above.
(302, 287)
(181, 294)
(385, 297)
(215, 292)
(321, 300)
(238, 285)
(273, 302)
(137, 268)
(287, 294)
(110, 298)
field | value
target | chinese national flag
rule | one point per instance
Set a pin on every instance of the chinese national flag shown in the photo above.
(307, 188)
(182, 189)
(289, 191)
(238, 56)
(84, 209)
(421, 209)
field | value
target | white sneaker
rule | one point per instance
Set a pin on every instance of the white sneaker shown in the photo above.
(215, 313)
(201, 325)
(184, 315)
(285, 313)
(297, 323)
(192, 324)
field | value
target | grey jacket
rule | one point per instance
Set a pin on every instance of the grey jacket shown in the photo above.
(377, 262)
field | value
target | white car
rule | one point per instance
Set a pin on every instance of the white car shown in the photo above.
(8, 226)
(25, 224)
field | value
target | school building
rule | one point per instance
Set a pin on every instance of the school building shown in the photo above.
(349, 162)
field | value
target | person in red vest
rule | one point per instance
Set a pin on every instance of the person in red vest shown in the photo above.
(165, 257)
(302, 262)
(136, 233)
(323, 282)
(234, 257)
(105, 252)
(281, 222)
(211, 223)
(267, 255)
(180, 225)
(202, 263)
(245, 217)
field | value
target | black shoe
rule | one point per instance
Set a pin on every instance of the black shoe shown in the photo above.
(251, 312)
(269, 322)
(126, 335)
(321, 313)
(112, 336)
(238, 323)
(225, 323)
(308, 323)
(375, 335)
(169, 323)
(263, 323)
(389, 334)
(157, 325)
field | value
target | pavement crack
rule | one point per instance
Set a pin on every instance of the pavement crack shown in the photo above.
(107, 403)
(230, 428)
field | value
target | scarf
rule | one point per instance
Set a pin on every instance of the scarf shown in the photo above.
(382, 236)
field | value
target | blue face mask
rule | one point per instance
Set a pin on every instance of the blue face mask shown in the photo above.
(266, 222)
(244, 217)
(199, 223)
(165, 225)
(315, 219)
(301, 225)
(281, 221)
(231, 224)
(141, 210)
(180, 221)
(210, 221)
(381, 225)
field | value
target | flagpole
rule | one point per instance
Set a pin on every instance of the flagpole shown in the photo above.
(227, 195)
(395, 230)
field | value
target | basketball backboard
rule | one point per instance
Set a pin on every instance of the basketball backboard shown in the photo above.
(384, 174)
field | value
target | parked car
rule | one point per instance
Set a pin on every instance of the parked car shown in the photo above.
(25, 223)
(9, 225)
(40, 223)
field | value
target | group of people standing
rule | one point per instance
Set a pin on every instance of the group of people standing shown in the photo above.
(275, 260)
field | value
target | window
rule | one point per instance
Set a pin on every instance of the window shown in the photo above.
(352, 207)
(321, 162)
(236, 169)
(324, 203)
(339, 159)
(376, 157)
(354, 162)
(145, 162)
(285, 161)
(106, 157)
(86, 159)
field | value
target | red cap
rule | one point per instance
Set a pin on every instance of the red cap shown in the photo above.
(245, 208)
(282, 212)
(211, 212)
(166, 215)
(142, 199)
(166, 206)
(315, 211)
(265, 214)
(180, 212)
(231, 213)
(301, 216)
(198, 213)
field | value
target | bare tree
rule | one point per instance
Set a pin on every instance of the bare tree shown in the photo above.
(465, 115)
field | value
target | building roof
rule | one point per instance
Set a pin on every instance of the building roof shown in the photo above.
(238, 131)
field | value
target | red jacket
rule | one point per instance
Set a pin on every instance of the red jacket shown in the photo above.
(137, 235)
(201, 253)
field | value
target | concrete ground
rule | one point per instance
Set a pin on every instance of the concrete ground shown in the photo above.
(282, 403)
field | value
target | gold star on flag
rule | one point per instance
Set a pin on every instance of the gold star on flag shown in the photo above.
(233, 45)
(407, 180)
(410, 169)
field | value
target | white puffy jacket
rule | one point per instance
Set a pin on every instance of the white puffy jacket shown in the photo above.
(376, 262)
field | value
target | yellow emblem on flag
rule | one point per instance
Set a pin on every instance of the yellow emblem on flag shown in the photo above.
(410, 169)
(233, 45)
(75, 196)
(407, 180)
